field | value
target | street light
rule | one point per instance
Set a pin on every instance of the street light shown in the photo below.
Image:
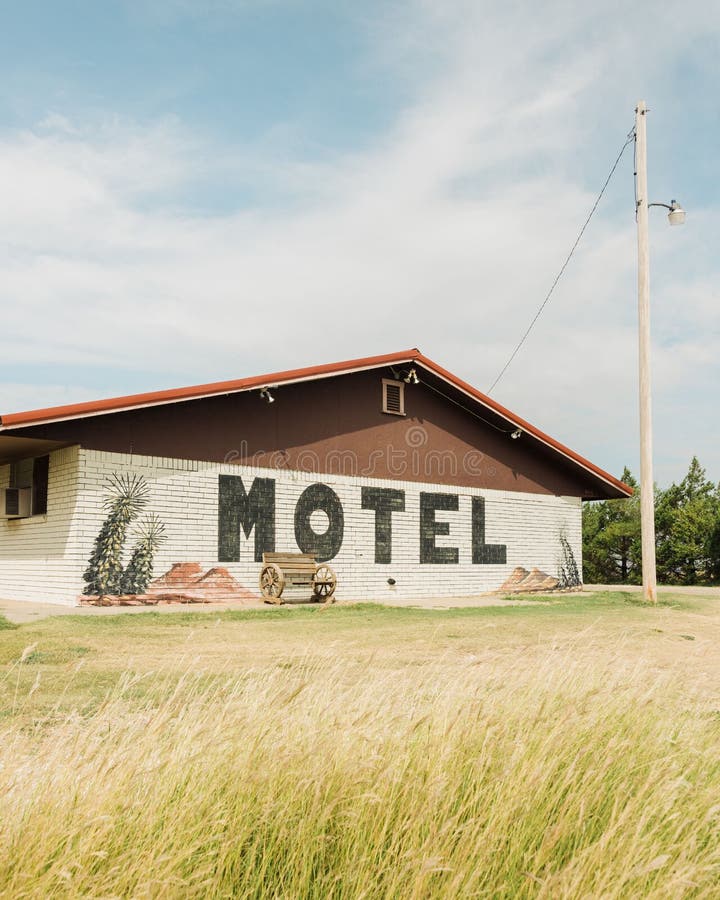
(676, 216)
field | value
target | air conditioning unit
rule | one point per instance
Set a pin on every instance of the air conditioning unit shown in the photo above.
(15, 503)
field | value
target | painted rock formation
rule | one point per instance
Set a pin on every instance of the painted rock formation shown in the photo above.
(187, 580)
(183, 583)
(523, 581)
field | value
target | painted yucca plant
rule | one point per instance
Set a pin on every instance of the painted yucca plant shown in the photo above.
(138, 572)
(127, 496)
(569, 576)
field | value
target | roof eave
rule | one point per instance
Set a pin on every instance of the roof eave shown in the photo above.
(527, 427)
(197, 392)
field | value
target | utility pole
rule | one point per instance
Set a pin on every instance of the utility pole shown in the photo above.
(647, 499)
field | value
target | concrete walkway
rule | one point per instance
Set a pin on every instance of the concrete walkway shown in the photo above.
(662, 589)
(26, 611)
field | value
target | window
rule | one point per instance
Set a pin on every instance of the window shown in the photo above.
(393, 397)
(32, 473)
(21, 472)
(41, 466)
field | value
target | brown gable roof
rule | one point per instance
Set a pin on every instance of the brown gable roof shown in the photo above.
(413, 357)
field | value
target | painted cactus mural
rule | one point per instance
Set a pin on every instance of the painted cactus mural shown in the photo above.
(127, 496)
(110, 581)
(138, 573)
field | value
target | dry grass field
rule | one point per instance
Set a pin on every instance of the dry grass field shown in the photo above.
(560, 749)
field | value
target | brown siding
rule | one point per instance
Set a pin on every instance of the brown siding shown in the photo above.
(336, 426)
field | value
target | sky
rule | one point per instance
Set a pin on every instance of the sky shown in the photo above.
(197, 190)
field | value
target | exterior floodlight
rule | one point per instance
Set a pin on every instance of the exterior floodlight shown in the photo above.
(516, 434)
(676, 216)
(266, 395)
(411, 377)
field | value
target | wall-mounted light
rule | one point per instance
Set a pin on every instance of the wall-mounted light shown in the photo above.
(266, 395)
(516, 434)
(411, 377)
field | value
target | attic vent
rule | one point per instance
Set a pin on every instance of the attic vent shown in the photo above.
(393, 397)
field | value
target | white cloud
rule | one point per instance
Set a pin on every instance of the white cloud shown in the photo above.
(17, 396)
(445, 234)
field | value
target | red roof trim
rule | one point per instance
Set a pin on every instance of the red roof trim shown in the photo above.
(522, 424)
(132, 401)
(154, 398)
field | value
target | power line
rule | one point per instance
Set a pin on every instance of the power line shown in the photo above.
(630, 139)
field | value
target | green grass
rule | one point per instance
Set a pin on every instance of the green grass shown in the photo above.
(559, 749)
(6, 624)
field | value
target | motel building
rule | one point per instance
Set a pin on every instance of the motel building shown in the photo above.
(406, 480)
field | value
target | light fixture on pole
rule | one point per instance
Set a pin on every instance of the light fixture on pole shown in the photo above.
(676, 216)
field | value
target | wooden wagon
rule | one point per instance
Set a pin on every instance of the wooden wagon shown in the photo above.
(281, 570)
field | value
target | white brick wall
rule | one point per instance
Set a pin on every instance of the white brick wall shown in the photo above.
(44, 558)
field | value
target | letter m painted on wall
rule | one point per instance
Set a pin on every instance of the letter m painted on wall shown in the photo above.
(238, 508)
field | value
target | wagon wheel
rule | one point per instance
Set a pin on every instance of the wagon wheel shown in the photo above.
(324, 582)
(272, 582)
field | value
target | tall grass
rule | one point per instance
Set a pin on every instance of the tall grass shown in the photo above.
(570, 776)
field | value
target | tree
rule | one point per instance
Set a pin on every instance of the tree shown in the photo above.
(688, 530)
(714, 547)
(687, 533)
(611, 538)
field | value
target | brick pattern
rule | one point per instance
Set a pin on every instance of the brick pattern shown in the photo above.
(44, 559)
